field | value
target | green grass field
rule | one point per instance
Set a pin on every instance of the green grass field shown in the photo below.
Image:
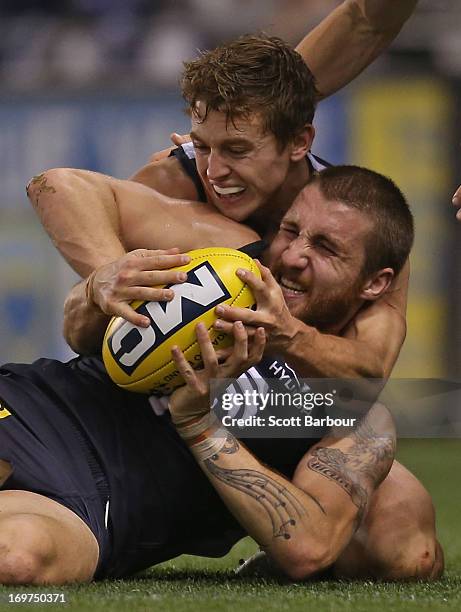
(191, 583)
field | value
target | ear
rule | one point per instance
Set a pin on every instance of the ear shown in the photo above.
(302, 142)
(378, 284)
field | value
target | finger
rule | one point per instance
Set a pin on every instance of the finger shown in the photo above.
(147, 294)
(457, 197)
(226, 326)
(257, 345)
(129, 314)
(234, 313)
(240, 352)
(161, 262)
(266, 274)
(179, 139)
(185, 369)
(150, 278)
(210, 360)
(256, 284)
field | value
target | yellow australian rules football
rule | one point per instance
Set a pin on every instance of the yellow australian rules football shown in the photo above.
(139, 359)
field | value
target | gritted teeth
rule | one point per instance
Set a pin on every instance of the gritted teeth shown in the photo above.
(227, 190)
(291, 286)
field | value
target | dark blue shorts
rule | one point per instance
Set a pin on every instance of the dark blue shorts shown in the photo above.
(51, 457)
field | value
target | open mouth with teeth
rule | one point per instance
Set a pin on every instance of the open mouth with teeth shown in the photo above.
(228, 192)
(290, 287)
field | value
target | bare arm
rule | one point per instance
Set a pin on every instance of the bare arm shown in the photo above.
(78, 210)
(302, 525)
(127, 216)
(110, 288)
(368, 347)
(86, 214)
(350, 38)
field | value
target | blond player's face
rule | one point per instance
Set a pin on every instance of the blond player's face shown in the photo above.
(240, 165)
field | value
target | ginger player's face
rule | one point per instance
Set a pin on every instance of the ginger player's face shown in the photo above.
(241, 166)
(317, 258)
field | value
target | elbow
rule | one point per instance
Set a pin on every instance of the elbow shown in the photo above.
(306, 561)
(373, 370)
(385, 22)
(46, 183)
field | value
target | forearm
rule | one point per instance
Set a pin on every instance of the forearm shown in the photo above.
(78, 210)
(84, 322)
(315, 354)
(282, 519)
(350, 38)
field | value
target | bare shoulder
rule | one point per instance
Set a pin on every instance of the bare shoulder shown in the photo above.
(168, 177)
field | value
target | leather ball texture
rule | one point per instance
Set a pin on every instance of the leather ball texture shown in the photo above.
(139, 359)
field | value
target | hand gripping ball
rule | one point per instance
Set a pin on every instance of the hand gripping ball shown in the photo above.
(139, 359)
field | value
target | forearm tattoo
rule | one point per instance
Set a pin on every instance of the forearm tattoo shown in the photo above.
(358, 470)
(41, 181)
(283, 509)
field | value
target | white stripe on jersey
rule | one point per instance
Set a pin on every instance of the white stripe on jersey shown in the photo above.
(316, 165)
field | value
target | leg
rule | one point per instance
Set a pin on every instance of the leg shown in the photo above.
(396, 539)
(43, 542)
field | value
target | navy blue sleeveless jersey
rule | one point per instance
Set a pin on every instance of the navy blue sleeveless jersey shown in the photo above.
(73, 436)
(185, 154)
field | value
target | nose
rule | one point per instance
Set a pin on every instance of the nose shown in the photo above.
(296, 254)
(217, 168)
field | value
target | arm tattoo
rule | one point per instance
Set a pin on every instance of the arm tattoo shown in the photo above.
(41, 181)
(281, 506)
(365, 462)
(332, 463)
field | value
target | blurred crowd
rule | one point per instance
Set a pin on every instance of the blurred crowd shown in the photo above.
(122, 44)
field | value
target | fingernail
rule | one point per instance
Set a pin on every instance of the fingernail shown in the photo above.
(241, 272)
(185, 259)
(168, 294)
(218, 324)
(182, 276)
(219, 309)
(239, 324)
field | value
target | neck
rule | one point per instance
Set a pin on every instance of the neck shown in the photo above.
(337, 329)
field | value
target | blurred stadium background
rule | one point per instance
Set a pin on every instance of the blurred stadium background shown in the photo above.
(93, 84)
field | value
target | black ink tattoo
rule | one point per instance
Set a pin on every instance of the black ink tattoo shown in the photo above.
(282, 507)
(358, 470)
(41, 181)
(230, 447)
(332, 463)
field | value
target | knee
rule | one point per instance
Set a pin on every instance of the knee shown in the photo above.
(25, 553)
(308, 562)
(429, 561)
(21, 566)
(424, 560)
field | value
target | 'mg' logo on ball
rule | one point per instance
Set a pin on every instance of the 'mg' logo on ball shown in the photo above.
(139, 359)
(129, 345)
